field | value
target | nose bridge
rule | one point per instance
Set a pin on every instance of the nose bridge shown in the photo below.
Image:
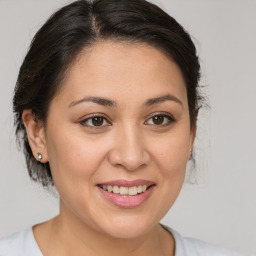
(129, 147)
(132, 142)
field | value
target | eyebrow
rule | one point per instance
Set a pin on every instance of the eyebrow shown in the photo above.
(109, 103)
(163, 98)
(97, 100)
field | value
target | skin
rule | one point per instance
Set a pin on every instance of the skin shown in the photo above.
(128, 145)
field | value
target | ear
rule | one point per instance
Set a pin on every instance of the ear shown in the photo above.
(36, 134)
(192, 139)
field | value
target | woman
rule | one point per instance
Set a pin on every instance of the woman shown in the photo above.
(106, 105)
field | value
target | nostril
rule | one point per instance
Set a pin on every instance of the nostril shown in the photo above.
(129, 163)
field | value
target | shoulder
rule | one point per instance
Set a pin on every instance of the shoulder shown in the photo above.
(19, 244)
(186, 246)
(201, 248)
(12, 244)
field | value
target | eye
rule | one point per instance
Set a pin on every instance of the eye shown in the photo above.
(160, 120)
(95, 121)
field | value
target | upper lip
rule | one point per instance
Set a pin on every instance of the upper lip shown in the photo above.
(127, 183)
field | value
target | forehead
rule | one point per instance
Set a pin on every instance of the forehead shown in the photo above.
(112, 69)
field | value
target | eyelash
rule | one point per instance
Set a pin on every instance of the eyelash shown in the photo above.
(168, 120)
(84, 121)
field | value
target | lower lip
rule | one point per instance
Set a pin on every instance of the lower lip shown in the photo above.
(127, 201)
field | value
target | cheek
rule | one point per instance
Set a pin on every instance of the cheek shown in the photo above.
(170, 158)
(172, 153)
(74, 162)
(73, 159)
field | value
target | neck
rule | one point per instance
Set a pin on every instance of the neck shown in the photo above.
(67, 235)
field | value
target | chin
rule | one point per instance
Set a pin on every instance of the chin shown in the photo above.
(124, 228)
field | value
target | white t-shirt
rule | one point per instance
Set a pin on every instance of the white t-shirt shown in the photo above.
(24, 244)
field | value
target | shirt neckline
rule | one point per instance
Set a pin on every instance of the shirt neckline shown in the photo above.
(179, 249)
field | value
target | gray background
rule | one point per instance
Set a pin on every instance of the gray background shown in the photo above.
(220, 205)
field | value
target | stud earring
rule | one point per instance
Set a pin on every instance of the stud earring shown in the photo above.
(39, 156)
(190, 151)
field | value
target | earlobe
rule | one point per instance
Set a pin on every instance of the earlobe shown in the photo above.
(36, 135)
(190, 154)
(192, 139)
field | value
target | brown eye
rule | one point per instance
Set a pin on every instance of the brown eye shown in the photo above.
(95, 121)
(160, 120)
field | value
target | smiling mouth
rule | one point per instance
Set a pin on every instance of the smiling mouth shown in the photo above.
(125, 191)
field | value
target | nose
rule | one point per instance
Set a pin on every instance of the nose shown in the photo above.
(129, 149)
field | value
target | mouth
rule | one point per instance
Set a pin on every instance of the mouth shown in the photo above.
(125, 191)
(127, 194)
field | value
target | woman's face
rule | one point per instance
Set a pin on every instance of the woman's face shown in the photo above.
(120, 122)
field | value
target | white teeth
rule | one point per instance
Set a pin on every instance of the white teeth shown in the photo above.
(133, 191)
(139, 190)
(116, 189)
(125, 191)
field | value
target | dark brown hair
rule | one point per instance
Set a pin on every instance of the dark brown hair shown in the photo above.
(79, 25)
